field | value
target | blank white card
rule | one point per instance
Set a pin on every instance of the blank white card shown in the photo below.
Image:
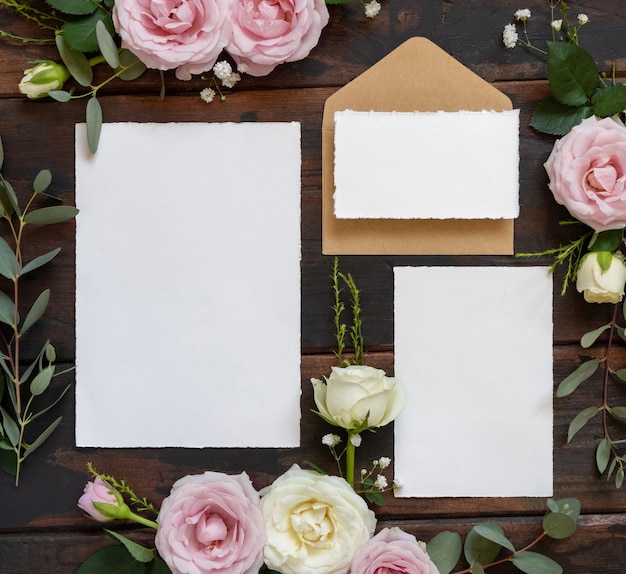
(427, 165)
(473, 347)
(188, 286)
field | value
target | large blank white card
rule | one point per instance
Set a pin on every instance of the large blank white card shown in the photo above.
(427, 165)
(188, 286)
(473, 348)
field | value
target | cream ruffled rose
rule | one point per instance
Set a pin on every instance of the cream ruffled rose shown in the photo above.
(587, 171)
(352, 394)
(315, 523)
(184, 34)
(393, 550)
(601, 281)
(270, 32)
(211, 522)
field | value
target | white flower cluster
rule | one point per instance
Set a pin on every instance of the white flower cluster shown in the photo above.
(509, 36)
(372, 8)
(223, 72)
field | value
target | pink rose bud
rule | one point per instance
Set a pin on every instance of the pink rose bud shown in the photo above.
(101, 501)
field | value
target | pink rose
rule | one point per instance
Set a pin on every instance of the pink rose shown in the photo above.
(99, 492)
(184, 34)
(392, 550)
(270, 32)
(587, 171)
(211, 522)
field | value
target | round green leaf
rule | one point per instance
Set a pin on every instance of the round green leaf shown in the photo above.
(42, 181)
(559, 526)
(479, 549)
(60, 95)
(445, 550)
(491, 531)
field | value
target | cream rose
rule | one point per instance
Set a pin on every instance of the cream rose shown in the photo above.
(352, 394)
(601, 278)
(315, 523)
(184, 34)
(587, 171)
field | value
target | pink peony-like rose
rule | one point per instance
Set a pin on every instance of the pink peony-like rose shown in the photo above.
(270, 32)
(587, 171)
(393, 550)
(102, 494)
(211, 522)
(184, 34)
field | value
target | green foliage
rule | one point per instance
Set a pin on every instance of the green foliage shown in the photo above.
(445, 550)
(580, 420)
(17, 408)
(574, 380)
(533, 563)
(112, 560)
(356, 328)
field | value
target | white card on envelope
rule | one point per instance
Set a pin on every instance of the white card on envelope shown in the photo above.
(188, 286)
(473, 348)
(427, 165)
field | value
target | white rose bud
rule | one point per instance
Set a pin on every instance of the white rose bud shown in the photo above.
(601, 278)
(356, 393)
(43, 78)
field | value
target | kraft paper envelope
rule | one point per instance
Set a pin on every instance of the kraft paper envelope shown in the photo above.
(416, 76)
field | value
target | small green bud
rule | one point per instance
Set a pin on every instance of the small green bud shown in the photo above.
(43, 78)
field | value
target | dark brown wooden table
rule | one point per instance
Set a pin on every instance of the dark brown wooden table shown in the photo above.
(41, 530)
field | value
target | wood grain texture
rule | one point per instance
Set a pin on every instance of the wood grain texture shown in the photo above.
(41, 530)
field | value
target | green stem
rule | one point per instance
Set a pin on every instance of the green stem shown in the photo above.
(143, 521)
(350, 449)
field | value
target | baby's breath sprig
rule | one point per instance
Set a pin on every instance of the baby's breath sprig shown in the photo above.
(141, 504)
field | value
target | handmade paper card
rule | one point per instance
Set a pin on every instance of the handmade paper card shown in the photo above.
(437, 165)
(473, 348)
(416, 76)
(188, 286)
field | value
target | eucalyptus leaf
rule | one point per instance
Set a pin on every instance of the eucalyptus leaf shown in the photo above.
(534, 563)
(572, 73)
(580, 420)
(619, 477)
(479, 549)
(60, 95)
(477, 568)
(50, 215)
(445, 550)
(557, 525)
(11, 429)
(138, 552)
(609, 101)
(80, 34)
(134, 66)
(73, 7)
(39, 261)
(618, 412)
(94, 123)
(491, 531)
(107, 46)
(42, 181)
(603, 453)
(581, 374)
(8, 197)
(621, 374)
(569, 506)
(51, 405)
(1, 153)
(7, 309)
(7, 260)
(621, 332)
(42, 437)
(76, 62)
(591, 337)
(111, 560)
(554, 118)
(41, 381)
